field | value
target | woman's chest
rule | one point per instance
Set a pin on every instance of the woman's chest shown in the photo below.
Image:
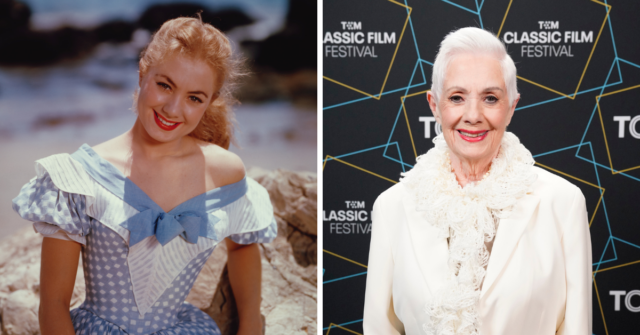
(530, 284)
(169, 184)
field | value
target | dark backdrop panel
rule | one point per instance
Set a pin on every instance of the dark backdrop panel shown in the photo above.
(575, 90)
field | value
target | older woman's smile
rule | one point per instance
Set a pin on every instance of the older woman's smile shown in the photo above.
(473, 135)
(474, 110)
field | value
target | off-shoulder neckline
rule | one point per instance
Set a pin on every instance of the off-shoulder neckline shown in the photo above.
(110, 177)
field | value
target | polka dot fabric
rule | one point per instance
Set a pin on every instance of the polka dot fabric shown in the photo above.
(109, 307)
(192, 321)
(265, 235)
(65, 196)
(110, 296)
(40, 201)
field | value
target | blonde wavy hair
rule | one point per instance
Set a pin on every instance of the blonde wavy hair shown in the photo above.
(198, 40)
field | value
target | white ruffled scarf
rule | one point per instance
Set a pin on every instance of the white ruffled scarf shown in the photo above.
(468, 217)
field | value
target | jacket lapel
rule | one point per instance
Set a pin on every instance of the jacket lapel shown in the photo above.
(507, 237)
(431, 251)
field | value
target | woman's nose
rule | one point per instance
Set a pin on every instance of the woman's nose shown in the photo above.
(473, 112)
(171, 107)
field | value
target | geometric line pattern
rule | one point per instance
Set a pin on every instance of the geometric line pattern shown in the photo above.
(333, 325)
(606, 143)
(601, 264)
(573, 96)
(379, 95)
(596, 108)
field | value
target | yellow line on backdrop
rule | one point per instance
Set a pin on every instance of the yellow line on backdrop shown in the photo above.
(345, 258)
(407, 118)
(357, 167)
(617, 266)
(331, 325)
(594, 45)
(600, 304)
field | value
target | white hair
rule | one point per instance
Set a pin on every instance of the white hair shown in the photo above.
(473, 40)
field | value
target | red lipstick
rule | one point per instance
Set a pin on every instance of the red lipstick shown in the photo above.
(472, 135)
(163, 126)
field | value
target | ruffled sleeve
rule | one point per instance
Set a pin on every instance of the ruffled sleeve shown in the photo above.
(251, 218)
(56, 199)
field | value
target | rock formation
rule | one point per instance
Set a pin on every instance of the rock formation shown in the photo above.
(289, 281)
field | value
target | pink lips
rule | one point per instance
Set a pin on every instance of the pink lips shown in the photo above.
(473, 132)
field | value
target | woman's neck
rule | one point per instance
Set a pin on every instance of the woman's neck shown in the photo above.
(145, 145)
(470, 171)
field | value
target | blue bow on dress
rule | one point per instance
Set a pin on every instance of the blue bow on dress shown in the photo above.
(188, 225)
(189, 219)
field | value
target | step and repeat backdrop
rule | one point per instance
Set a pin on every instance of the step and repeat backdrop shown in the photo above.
(579, 76)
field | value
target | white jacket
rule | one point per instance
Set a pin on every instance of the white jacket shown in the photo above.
(538, 280)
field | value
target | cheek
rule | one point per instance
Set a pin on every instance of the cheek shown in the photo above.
(193, 114)
(149, 96)
(499, 118)
(449, 117)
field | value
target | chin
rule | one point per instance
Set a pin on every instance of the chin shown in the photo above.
(163, 136)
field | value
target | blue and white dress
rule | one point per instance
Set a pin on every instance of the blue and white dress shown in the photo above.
(139, 262)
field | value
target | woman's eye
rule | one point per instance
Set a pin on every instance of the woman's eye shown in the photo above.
(195, 99)
(456, 99)
(163, 85)
(491, 99)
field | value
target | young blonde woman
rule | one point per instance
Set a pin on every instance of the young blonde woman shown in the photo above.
(147, 208)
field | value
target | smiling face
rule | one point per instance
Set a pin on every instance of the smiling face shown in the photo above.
(174, 96)
(473, 107)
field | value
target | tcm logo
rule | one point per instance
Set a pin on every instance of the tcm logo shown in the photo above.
(622, 119)
(427, 126)
(351, 25)
(354, 204)
(548, 25)
(627, 300)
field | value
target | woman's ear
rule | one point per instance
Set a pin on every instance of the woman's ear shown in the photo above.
(512, 109)
(431, 98)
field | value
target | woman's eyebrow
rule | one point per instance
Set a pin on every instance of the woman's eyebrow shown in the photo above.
(456, 88)
(168, 79)
(462, 89)
(173, 84)
(199, 92)
(492, 88)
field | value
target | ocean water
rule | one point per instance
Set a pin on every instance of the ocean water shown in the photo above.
(48, 14)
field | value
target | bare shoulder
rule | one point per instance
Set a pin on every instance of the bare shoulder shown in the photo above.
(222, 166)
(114, 150)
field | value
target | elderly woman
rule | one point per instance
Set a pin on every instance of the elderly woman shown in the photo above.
(475, 239)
